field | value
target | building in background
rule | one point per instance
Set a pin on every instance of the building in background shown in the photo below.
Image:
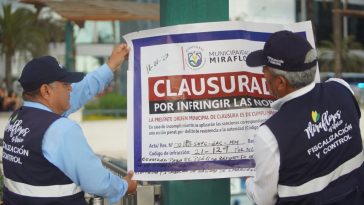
(289, 11)
(95, 39)
(352, 26)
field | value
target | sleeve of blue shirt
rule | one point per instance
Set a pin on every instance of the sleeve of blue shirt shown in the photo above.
(93, 83)
(65, 146)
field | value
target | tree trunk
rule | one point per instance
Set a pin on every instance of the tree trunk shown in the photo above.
(337, 27)
(8, 77)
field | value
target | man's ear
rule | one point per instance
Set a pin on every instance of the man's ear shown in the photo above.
(45, 91)
(282, 85)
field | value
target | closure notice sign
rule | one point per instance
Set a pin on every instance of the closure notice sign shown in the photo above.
(193, 104)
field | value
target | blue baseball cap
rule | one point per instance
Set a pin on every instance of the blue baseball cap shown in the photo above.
(45, 70)
(284, 50)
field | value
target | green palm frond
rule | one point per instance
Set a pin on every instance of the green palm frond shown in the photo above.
(22, 31)
(351, 62)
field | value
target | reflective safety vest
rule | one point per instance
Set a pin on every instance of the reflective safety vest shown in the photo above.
(29, 178)
(320, 146)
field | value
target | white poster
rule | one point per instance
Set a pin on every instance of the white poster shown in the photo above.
(193, 104)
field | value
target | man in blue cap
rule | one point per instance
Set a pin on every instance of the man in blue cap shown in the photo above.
(46, 158)
(310, 151)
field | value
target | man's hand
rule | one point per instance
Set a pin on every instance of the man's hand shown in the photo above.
(132, 184)
(118, 55)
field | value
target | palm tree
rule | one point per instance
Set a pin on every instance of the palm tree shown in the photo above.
(350, 61)
(21, 31)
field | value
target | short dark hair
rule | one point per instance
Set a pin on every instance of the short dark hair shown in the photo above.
(31, 95)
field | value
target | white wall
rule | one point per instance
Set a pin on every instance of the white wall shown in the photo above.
(268, 11)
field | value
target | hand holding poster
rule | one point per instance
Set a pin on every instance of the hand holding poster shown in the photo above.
(193, 104)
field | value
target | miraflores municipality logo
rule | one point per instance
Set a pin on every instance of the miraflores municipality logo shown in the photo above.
(195, 59)
(315, 116)
(15, 129)
(325, 122)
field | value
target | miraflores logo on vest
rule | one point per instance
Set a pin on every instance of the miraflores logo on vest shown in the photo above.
(315, 116)
(339, 132)
(326, 122)
(16, 131)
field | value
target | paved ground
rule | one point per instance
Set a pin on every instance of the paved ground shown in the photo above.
(106, 137)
